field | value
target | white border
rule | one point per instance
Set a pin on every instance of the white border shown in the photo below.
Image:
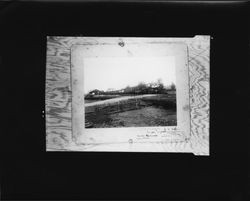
(139, 47)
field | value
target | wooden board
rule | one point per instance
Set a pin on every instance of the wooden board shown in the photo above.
(58, 96)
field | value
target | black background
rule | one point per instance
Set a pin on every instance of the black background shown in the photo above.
(30, 173)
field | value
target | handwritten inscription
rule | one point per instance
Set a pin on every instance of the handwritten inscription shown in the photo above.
(162, 133)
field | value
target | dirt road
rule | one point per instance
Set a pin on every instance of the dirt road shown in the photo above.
(113, 100)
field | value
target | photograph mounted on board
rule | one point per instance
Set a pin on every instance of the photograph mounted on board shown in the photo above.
(129, 90)
(128, 94)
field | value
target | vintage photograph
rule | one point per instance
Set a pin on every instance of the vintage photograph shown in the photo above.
(129, 92)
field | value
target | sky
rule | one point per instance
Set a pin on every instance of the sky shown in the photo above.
(103, 73)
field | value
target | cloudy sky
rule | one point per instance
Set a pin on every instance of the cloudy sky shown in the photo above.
(118, 72)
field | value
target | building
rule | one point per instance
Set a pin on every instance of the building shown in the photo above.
(95, 92)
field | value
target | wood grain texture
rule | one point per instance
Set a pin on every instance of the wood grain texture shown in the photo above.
(58, 97)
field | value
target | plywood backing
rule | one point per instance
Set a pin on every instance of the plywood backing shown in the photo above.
(58, 96)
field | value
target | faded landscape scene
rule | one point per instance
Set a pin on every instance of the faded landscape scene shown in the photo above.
(130, 92)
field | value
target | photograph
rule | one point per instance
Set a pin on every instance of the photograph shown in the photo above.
(129, 92)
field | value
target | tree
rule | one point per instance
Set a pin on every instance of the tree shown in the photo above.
(128, 89)
(142, 87)
(172, 86)
(160, 85)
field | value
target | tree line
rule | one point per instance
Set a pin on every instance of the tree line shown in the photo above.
(141, 88)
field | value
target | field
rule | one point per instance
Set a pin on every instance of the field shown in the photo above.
(131, 111)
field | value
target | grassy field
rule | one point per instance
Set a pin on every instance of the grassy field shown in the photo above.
(164, 100)
(156, 110)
